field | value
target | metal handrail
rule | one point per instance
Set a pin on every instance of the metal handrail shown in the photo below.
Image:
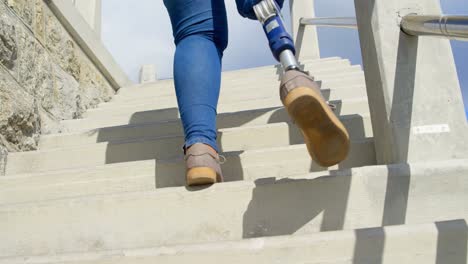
(341, 22)
(452, 27)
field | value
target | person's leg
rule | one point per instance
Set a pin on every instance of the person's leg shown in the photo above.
(325, 135)
(200, 33)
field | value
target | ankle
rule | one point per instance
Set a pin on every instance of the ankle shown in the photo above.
(209, 147)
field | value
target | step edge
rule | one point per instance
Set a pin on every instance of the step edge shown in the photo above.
(251, 245)
(421, 169)
(364, 141)
(143, 139)
(142, 125)
(65, 122)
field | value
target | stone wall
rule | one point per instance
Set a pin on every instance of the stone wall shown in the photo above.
(44, 75)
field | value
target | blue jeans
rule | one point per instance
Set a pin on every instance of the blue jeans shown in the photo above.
(201, 35)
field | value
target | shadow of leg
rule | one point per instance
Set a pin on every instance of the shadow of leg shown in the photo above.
(283, 209)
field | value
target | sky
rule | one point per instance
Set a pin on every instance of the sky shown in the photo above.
(138, 34)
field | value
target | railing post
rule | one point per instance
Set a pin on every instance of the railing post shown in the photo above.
(414, 93)
(148, 73)
(91, 12)
(310, 45)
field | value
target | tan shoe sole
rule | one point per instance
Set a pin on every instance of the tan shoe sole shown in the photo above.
(201, 176)
(326, 137)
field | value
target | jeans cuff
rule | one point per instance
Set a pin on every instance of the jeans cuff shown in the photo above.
(206, 141)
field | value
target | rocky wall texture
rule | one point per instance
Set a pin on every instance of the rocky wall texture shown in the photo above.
(3, 160)
(44, 75)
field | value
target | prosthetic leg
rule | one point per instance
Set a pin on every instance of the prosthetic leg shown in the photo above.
(325, 136)
(281, 44)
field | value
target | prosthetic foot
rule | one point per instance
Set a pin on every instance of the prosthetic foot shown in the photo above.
(325, 136)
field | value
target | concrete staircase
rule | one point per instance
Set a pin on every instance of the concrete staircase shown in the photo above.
(111, 189)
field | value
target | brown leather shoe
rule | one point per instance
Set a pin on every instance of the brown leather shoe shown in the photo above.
(326, 137)
(202, 165)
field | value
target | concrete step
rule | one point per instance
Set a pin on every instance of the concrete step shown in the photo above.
(164, 86)
(440, 242)
(243, 83)
(232, 139)
(349, 199)
(278, 162)
(271, 96)
(105, 118)
(148, 175)
(358, 126)
(230, 87)
(345, 106)
(237, 96)
(313, 66)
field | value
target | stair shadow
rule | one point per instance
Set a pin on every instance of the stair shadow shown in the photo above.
(284, 207)
(276, 210)
(117, 152)
(452, 237)
(283, 212)
(225, 120)
(171, 176)
(167, 176)
(396, 199)
(452, 242)
(107, 134)
(370, 243)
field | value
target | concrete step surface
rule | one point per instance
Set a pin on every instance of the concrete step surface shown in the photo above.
(312, 66)
(147, 175)
(234, 139)
(343, 107)
(267, 83)
(439, 242)
(344, 200)
(358, 127)
(271, 98)
(237, 96)
(270, 70)
(230, 86)
(111, 190)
